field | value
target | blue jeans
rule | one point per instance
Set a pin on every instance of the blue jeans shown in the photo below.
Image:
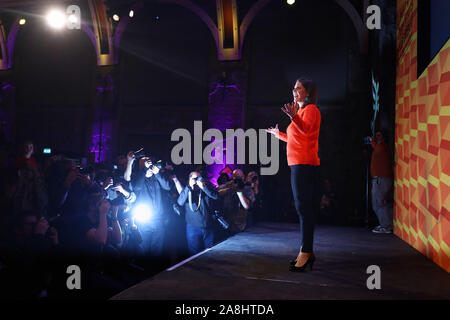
(152, 239)
(305, 189)
(382, 208)
(198, 239)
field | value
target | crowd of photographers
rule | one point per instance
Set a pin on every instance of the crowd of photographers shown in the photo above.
(118, 223)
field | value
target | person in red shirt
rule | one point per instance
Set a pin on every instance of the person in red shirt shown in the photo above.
(381, 172)
(302, 137)
(26, 159)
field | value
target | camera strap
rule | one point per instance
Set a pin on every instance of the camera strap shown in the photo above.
(190, 201)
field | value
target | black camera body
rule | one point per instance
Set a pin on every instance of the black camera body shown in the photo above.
(159, 164)
(239, 182)
(85, 171)
(199, 179)
(117, 201)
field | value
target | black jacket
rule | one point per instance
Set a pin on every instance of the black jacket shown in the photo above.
(203, 217)
(150, 190)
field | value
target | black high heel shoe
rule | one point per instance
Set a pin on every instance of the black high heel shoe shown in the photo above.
(293, 262)
(309, 263)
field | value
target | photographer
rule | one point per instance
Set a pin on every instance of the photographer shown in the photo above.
(382, 183)
(254, 212)
(76, 188)
(238, 198)
(92, 230)
(26, 256)
(116, 189)
(149, 186)
(197, 201)
(96, 233)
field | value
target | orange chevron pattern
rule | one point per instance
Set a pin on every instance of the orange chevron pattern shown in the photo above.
(422, 143)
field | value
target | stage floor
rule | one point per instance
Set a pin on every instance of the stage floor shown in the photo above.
(254, 265)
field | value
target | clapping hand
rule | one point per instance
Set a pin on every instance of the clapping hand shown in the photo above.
(273, 131)
(290, 109)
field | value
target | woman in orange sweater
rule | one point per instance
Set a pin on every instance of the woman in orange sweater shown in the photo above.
(302, 137)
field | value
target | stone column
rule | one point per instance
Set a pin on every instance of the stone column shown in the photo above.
(227, 104)
(103, 122)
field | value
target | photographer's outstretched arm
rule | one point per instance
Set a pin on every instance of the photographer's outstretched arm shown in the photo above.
(131, 198)
(210, 192)
(130, 159)
(100, 234)
(246, 203)
(124, 192)
(163, 181)
(177, 185)
(183, 196)
(116, 232)
(223, 191)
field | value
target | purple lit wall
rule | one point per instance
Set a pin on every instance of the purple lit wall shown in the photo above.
(227, 100)
(102, 134)
(100, 140)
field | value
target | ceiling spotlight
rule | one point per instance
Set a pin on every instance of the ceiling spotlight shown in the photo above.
(131, 14)
(116, 17)
(56, 19)
(22, 21)
(290, 2)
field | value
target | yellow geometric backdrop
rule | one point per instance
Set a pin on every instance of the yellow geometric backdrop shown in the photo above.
(422, 143)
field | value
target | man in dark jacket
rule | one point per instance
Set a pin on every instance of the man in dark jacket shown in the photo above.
(197, 200)
(149, 186)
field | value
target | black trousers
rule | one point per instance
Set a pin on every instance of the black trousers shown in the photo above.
(305, 189)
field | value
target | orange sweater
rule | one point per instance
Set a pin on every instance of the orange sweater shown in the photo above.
(380, 165)
(303, 137)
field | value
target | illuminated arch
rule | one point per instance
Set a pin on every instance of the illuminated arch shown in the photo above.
(7, 43)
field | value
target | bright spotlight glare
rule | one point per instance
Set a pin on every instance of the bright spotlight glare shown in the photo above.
(116, 17)
(22, 22)
(73, 19)
(56, 19)
(142, 213)
(131, 13)
(290, 2)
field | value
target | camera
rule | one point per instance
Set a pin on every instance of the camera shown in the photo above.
(254, 179)
(219, 218)
(116, 202)
(199, 179)
(239, 182)
(159, 164)
(85, 171)
(53, 222)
